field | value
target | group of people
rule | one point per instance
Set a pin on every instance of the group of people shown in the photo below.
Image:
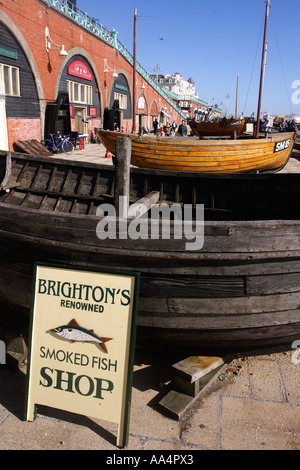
(169, 128)
(284, 125)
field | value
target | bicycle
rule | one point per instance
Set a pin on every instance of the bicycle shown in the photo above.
(59, 143)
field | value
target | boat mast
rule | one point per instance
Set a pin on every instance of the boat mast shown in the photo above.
(263, 64)
(237, 94)
(134, 70)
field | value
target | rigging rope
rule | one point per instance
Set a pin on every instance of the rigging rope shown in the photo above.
(270, 87)
(251, 75)
(286, 89)
(201, 12)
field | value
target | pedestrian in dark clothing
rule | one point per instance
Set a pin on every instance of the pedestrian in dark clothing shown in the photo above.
(155, 126)
(182, 129)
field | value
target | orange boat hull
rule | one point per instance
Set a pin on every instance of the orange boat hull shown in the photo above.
(219, 128)
(207, 156)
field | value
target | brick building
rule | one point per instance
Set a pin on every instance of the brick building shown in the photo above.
(62, 70)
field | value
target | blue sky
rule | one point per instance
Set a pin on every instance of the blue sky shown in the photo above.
(213, 41)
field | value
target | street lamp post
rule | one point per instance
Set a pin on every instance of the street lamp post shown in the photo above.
(227, 98)
(157, 69)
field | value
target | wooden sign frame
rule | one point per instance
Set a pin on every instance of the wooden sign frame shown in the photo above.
(82, 343)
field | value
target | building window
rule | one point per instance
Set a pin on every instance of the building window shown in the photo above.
(9, 80)
(122, 100)
(80, 93)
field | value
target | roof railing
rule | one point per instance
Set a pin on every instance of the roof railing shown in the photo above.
(110, 37)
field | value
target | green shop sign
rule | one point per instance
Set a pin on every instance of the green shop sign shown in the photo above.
(121, 87)
(6, 52)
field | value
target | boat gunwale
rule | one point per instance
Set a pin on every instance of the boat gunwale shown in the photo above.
(194, 141)
(147, 171)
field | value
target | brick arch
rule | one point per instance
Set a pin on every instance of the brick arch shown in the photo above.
(146, 110)
(122, 72)
(14, 30)
(154, 108)
(73, 52)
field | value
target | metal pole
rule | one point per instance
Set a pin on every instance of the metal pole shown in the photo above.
(134, 71)
(237, 94)
(263, 63)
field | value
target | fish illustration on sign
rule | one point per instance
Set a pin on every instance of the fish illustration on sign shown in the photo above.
(74, 332)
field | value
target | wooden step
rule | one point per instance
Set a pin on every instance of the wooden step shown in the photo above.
(191, 377)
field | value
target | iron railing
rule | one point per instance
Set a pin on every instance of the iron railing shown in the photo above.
(110, 37)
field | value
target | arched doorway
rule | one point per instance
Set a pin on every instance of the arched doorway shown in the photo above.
(22, 98)
(142, 111)
(77, 108)
(120, 103)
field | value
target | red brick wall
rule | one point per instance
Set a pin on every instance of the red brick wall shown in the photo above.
(23, 129)
(31, 17)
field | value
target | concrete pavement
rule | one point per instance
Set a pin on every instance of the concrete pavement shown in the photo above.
(93, 153)
(254, 405)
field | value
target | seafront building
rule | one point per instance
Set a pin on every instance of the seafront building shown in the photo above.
(62, 70)
(183, 93)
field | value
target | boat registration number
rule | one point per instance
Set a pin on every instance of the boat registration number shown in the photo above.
(282, 145)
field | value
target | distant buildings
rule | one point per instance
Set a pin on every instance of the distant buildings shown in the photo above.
(176, 84)
(183, 92)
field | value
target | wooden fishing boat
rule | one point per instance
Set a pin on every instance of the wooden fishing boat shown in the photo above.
(239, 291)
(219, 128)
(206, 156)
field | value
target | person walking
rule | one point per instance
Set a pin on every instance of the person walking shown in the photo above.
(155, 126)
(168, 129)
(182, 129)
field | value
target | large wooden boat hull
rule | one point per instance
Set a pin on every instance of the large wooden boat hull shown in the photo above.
(206, 156)
(240, 291)
(225, 127)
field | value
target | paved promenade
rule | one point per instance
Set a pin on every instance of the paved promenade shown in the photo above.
(254, 405)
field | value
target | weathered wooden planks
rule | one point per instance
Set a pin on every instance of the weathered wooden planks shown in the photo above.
(234, 198)
(241, 290)
(31, 147)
